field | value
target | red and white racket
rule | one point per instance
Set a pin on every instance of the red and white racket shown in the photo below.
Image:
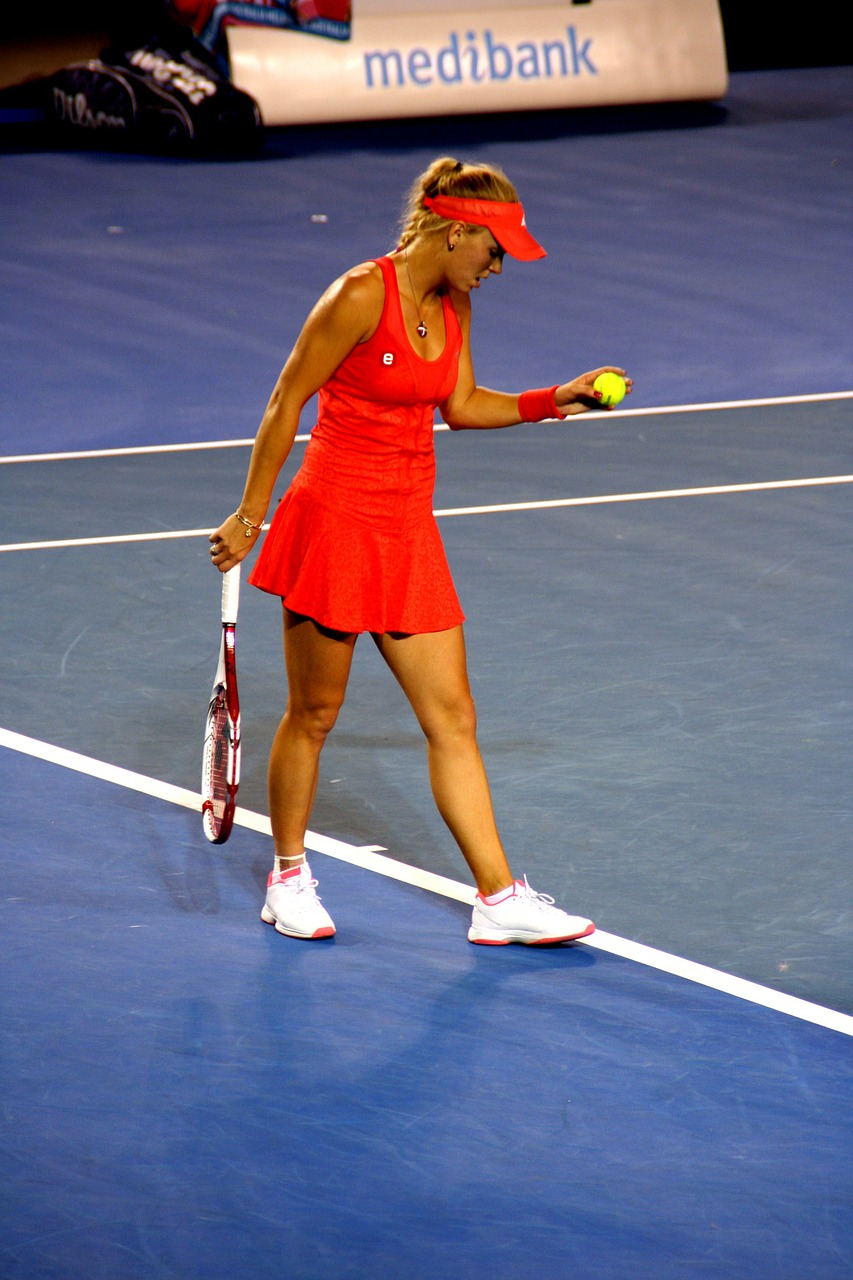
(220, 767)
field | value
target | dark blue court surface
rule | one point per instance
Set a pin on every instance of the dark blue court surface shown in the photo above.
(663, 685)
(186, 1093)
(701, 248)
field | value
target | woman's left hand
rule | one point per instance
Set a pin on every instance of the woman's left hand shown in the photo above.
(580, 395)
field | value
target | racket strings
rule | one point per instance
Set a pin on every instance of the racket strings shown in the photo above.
(220, 770)
(219, 748)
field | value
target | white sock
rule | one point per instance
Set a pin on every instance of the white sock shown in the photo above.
(502, 894)
(289, 863)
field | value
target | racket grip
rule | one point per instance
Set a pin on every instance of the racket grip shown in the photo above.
(230, 594)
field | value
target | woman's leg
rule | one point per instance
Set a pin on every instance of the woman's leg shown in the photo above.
(432, 672)
(318, 663)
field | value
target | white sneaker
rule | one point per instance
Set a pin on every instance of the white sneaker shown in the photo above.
(293, 907)
(524, 916)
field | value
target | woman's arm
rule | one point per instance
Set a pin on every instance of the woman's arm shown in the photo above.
(346, 315)
(470, 406)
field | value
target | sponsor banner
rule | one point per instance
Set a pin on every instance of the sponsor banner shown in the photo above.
(605, 53)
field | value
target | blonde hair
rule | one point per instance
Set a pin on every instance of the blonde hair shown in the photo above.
(449, 177)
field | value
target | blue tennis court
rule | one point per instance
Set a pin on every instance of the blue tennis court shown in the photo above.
(659, 616)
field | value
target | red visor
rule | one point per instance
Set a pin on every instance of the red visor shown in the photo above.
(504, 219)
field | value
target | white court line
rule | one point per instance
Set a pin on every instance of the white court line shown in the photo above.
(109, 540)
(128, 451)
(139, 450)
(651, 496)
(371, 860)
(201, 446)
(544, 505)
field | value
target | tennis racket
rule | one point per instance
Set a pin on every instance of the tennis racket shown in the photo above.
(220, 767)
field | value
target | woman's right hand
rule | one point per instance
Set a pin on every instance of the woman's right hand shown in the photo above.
(232, 542)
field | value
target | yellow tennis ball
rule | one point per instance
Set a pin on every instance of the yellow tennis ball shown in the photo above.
(611, 386)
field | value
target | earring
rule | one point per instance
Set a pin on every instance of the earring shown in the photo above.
(450, 247)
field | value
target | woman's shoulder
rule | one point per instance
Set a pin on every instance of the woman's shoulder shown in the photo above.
(361, 284)
(356, 298)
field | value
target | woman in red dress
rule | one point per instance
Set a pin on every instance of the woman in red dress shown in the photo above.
(354, 546)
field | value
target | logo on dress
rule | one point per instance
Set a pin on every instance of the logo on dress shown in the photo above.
(388, 358)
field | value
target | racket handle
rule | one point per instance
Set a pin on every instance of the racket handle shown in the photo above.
(230, 594)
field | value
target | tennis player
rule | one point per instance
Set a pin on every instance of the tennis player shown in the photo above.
(354, 547)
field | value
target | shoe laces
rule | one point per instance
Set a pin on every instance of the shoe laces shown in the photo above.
(530, 895)
(307, 885)
(300, 884)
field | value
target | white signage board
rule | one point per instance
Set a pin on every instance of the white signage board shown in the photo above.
(443, 61)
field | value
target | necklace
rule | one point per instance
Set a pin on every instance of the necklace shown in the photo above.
(422, 330)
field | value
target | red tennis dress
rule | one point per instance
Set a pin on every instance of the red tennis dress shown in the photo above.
(354, 543)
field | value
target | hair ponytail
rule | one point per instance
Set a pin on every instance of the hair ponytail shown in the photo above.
(449, 177)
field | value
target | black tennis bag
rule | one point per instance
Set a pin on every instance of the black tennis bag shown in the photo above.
(160, 96)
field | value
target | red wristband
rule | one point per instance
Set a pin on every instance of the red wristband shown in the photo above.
(535, 406)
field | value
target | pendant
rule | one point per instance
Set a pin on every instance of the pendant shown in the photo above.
(422, 330)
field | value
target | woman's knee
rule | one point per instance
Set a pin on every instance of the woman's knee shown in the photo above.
(318, 664)
(454, 721)
(314, 719)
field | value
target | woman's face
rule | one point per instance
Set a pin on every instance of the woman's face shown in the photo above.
(476, 256)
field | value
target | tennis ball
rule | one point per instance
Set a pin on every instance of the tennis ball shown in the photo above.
(611, 386)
